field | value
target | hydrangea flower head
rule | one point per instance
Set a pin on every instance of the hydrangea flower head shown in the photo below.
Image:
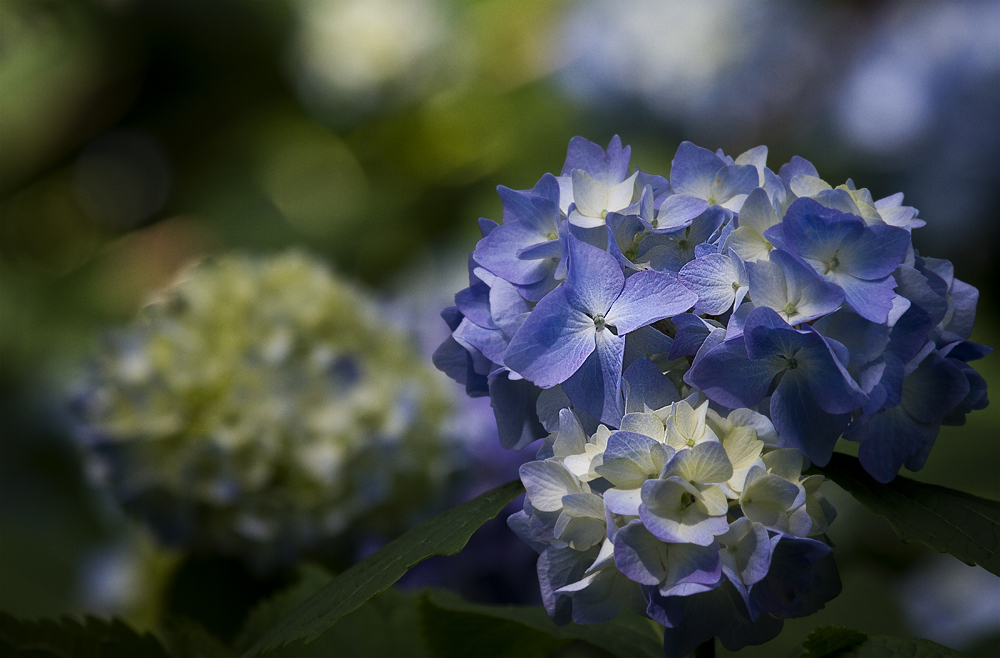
(778, 292)
(681, 508)
(689, 346)
(260, 407)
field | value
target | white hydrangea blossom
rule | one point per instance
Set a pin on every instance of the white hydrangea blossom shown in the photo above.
(671, 500)
(259, 406)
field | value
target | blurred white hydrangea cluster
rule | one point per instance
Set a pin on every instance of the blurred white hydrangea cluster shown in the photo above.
(261, 407)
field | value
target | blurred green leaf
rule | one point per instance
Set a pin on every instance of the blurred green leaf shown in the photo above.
(66, 638)
(830, 642)
(187, 638)
(828, 639)
(267, 613)
(458, 629)
(445, 534)
(966, 526)
(453, 628)
(387, 625)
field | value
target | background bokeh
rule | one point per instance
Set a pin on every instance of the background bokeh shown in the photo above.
(137, 135)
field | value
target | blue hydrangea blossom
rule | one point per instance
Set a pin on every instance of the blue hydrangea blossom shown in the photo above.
(611, 298)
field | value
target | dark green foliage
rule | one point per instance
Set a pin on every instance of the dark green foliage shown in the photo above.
(186, 638)
(452, 626)
(445, 534)
(828, 640)
(267, 613)
(949, 521)
(66, 638)
(457, 632)
(833, 642)
(387, 625)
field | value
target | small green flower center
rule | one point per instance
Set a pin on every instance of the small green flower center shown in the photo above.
(604, 213)
(736, 285)
(789, 309)
(655, 223)
(687, 500)
(599, 322)
(552, 235)
(791, 363)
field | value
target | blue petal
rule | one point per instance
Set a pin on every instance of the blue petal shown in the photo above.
(887, 440)
(558, 567)
(646, 387)
(456, 362)
(964, 298)
(474, 303)
(608, 167)
(594, 279)
(691, 333)
(486, 226)
(802, 578)
(552, 343)
(452, 316)
(872, 300)
(646, 341)
(812, 230)
(677, 211)
(795, 167)
(538, 208)
(513, 403)
(734, 180)
(693, 620)
(548, 249)
(497, 253)
(596, 386)
(877, 253)
(913, 285)
(711, 278)
(659, 184)
(802, 423)
(647, 297)
(508, 308)
(727, 375)
(491, 342)
(693, 170)
(639, 555)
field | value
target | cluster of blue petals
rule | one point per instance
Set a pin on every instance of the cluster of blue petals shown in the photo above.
(774, 292)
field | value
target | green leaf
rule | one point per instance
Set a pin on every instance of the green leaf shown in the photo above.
(827, 640)
(267, 613)
(186, 638)
(833, 642)
(479, 630)
(883, 646)
(445, 534)
(387, 625)
(949, 521)
(457, 633)
(66, 638)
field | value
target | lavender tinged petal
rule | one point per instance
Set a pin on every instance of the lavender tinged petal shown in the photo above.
(648, 297)
(552, 343)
